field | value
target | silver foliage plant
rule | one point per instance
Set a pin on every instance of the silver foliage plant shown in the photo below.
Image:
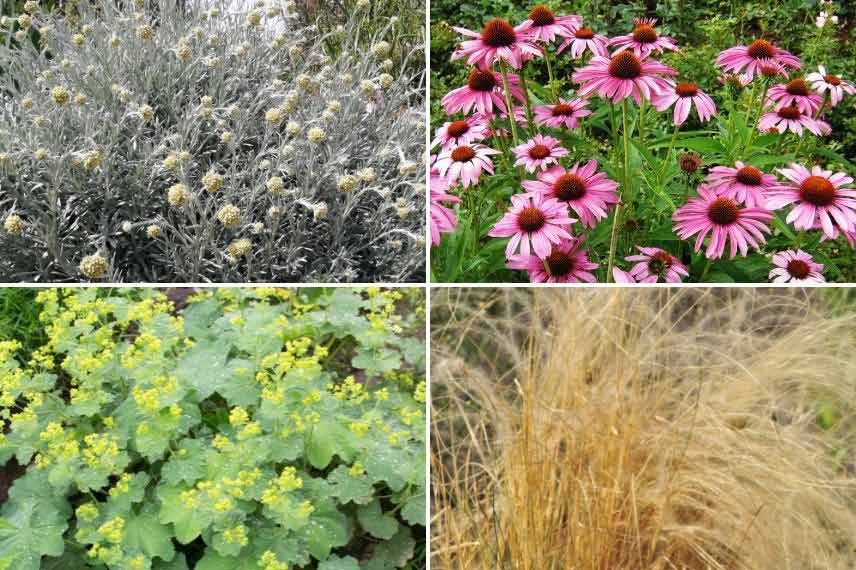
(161, 143)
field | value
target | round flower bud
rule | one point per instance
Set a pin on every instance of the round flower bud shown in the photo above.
(274, 115)
(147, 113)
(177, 195)
(60, 95)
(80, 99)
(153, 231)
(346, 183)
(381, 49)
(127, 227)
(229, 216)
(316, 135)
(212, 181)
(275, 185)
(254, 18)
(274, 212)
(407, 168)
(292, 128)
(13, 225)
(227, 137)
(27, 103)
(257, 228)
(93, 266)
(145, 32)
(239, 248)
(25, 21)
(367, 174)
(319, 210)
(689, 162)
(386, 80)
(41, 154)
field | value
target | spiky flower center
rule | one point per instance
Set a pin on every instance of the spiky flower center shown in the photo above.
(689, 162)
(817, 190)
(832, 79)
(463, 154)
(659, 262)
(645, 34)
(771, 70)
(723, 211)
(531, 219)
(798, 268)
(559, 263)
(539, 152)
(584, 34)
(791, 112)
(749, 175)
(760, 49)
(797, 87)
(562, 110)
(625, 65)
(498, 34)
(542, 15)
(569, 187)
(457, 129)
(686, 89)
(481, 80)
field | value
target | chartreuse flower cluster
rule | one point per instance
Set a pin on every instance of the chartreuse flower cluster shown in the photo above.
(255, 429)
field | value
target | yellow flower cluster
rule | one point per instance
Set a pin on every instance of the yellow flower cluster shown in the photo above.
(113, 530)
(101, 450)
(287, 481)
(269, 561)
(350, 390)
(236, 535)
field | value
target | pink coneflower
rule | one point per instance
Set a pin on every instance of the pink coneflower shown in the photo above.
(585, 39)
(535, 219)
(735, 80)
(796, 267)
(465, 163)
(482, 91)
(791, 119)
(539, 152)
(683, 95)
(443, 219)
(743, 183)
(750, 58)
(461, 132)
(795, 93)
(589, 193)
(644, 39)
(566, 263)
(621, 276)
(654, 264)
(837, 87)
(836, 231)
(724, 220)
(622, 75)
(821, 197)
(566, 113)
(498, 41)
(544, 25)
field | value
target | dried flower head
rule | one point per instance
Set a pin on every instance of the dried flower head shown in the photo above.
(367, 174)
(386, 80)
(227, 137)
(145, 32)
(13, 225)
(146, 113)
(230, 216)
(153, 231)
(60, 95)
(381, 49)
(689, 162)
(212, 181)
(26, 103)
(93, 266)
(316, 135)
(320, 210)
(275, 185)
(41, 154)
(80, 99)
(346, 183)
(257, 228)
(407, 168)
(177, 195)
(238, 249)
(292, 128)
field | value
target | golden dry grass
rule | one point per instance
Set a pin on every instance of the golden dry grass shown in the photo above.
(641, 430)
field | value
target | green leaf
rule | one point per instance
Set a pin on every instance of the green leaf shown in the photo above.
(177, 563)
(146, 534)
(414, 510)
(348, 488)
(704, 145)
(393, 553)
(327, 529)
(336, 563)
(30, 531)
(203, 367)
(378, 524)
(187, 522)
(188, 467)
(328, 438)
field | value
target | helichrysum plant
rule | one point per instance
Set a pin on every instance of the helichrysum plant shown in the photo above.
(255, 429)
(143, 141)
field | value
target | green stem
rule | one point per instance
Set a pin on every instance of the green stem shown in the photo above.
(550, 75)
(707, 265)
(508, 105)
(754, 126)
(616, 220)
(641, 128)
(529, 120)
(668, 157)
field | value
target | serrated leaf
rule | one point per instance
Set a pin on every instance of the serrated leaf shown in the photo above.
(348, 488)
(378, 524)
(146, 534)
(336, 563)
(393, 553)
(177, 563)
(328, 438)
(326, 529)
(414, 510)
(188, 467)
(30, 532)
(188, 523)
(203, 367)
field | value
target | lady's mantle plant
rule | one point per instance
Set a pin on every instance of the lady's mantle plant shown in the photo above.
(164, 141)
(258, 429)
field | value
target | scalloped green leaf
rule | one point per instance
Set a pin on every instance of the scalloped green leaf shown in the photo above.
(188, 523)
(348, 488)
(376, 522)
(146, 534)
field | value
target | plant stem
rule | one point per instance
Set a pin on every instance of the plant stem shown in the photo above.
(529, 121)
(706, 269)
(641, 127)
(669, 153)
(508, 105)
(550, 75)
(616, 220)
(754, 126)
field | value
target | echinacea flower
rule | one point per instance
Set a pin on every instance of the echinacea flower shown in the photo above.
(567, 112)
(566, 263)
(498, 41)
(621, 276)
(791, 119)
(820, 196)
(748, 59)
(533, 220)
(539, 152)
(461, 132)
(644, 39)
(724, 220)
(837, 87)
(589, 193)
(743, 183)
(623, 75)
(443, 219)
(465, 163)
(795, 93)
(482, 91)
(796, 267)
(653, 264)
(585, 39)
(683, 95)
(545, 25)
